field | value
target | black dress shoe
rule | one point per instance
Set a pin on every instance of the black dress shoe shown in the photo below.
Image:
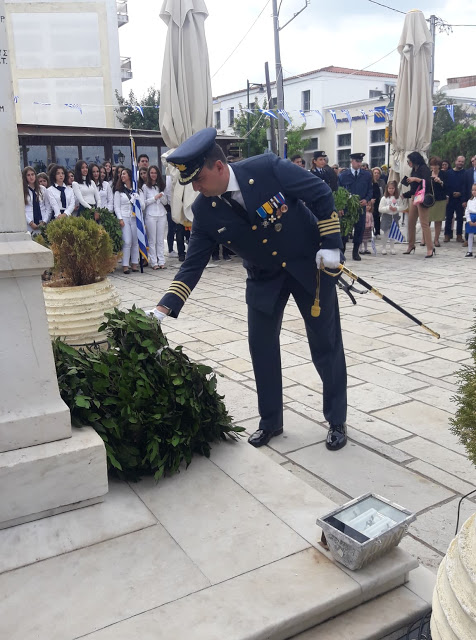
(355, 255)
(260, 437)
(336, 437)
(181, 257)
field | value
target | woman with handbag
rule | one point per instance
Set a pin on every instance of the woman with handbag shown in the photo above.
(419, 179)
(438, 185)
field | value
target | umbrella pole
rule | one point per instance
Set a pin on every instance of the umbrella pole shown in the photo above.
(393, 304)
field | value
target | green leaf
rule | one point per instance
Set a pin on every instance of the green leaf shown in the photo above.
(82, 401)
(177, 380)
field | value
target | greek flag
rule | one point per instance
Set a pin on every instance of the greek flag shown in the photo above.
(395, 233)
(268, 112)
(136, 208)
(285, 115)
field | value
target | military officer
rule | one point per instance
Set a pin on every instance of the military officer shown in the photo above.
(256, 208)
(359, 182)
(322, 170)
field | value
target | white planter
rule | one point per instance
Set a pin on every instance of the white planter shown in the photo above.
(75, 313)
(454, 597)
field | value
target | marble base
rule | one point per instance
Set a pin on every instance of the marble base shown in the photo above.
(41, 480)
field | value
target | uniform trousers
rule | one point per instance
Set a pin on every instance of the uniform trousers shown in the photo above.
(359, 230)
(325, 343)
(455, 205)
(130, 246)
(170, 229)
(155, 226)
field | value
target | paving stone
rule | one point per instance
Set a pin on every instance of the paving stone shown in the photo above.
(415, 344)
(435, 367)
(377, 446)
(354, 470)
(217, 336)
(239, 365)
(437, 526)
(426, 556)
(374, 427)
(238, 348)
(448, 382)
(369, 397)
(314, 413)
(242, 403)
(384, 378)
(360, 344)
(298, 432)
(368, 329)
(447, 479)
(229, 373)
(452, 354)
(316, 483)
(226, 518)
(423, 420)
(397, 355)
(454, 463)
(434, 396)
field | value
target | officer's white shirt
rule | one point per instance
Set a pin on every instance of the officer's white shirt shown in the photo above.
(234, 188)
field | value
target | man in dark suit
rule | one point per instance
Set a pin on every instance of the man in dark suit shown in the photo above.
(256, 207)
(322, 170)
(457, 188)
(358, 182)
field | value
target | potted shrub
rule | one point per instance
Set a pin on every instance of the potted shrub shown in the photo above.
(109, 221)
(79, 293)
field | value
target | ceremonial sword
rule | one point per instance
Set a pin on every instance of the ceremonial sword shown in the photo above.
(348, 287)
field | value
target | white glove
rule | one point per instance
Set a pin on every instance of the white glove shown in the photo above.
(330, 258)
(158, 315)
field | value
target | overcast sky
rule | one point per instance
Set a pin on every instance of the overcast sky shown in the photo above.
(346, 33)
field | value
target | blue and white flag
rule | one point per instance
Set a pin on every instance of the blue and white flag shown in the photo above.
(395, 233)
(346, 112)
(334, 116)
(362, 111)
(434, 109)
(247, 110)
(136, 207)
(319, 114)
(15, 99)
(74, 106)
(139, 109)
(303, 115)
(285, 115)
(451, 111)
(268, 112)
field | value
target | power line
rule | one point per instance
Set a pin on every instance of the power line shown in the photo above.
(259, 16)
(387, 7)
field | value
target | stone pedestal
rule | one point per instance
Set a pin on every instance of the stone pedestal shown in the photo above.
(43, 469)
(454, 597)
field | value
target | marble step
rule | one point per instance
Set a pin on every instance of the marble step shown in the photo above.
(46, 479)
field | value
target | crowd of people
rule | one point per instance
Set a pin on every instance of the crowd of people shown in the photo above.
(59, 192)
(448, 199)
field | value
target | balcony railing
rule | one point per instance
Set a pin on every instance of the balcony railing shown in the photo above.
(122, 15)
(126, 69)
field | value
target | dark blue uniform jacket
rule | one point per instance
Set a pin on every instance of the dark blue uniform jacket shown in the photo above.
(285, 244)
(360, 185)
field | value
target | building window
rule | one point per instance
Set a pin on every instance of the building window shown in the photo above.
(231, 116)
(311, 144)
(378, 155)
(306, 100)
(121, 155)
(67, 156)
(344, 140)
(217, 120)
(343, 158)
(37, 157)
(375, 94)
(377, 135)
(93, 154)
(344, 149)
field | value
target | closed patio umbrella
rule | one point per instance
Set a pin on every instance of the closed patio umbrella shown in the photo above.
(413, 114)
(185, 93)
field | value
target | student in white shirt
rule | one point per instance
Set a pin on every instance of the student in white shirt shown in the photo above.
(109, 172)
(60, 196)
(106, 199)
(155, 198)
(123, 200)
(36, 201)
(84, 189)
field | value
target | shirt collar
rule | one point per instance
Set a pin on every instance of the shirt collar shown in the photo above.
(232, 182)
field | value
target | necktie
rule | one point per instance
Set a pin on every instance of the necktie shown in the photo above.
(36, 206)
(236, 206)
(63, 195)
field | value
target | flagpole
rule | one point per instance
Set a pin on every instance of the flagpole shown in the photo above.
(137, 209)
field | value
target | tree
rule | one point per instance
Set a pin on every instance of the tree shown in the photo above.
(459, 141)
(258, 127)
(131, 118)
(442, 121)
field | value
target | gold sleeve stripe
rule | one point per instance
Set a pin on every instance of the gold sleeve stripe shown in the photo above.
(179, 295)
(187, 288)
(180, 287)
(329, 227)
(328, 233)
(326, 223)
(176, 289)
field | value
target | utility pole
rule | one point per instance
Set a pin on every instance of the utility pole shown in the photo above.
(279, 69)
(432, 64)
(271, 120)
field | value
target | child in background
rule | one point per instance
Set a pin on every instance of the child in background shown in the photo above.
(470, 214)
(369, 225)
(390, 207)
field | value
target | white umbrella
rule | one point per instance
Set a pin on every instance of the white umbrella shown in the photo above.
(185, 92)
(413, 115)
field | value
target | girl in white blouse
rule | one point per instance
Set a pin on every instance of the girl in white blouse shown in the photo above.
(155, 198)
(60, 196)
(36, 201)
(109, 172)
(123, 200)
(105, 191)
(84, 189)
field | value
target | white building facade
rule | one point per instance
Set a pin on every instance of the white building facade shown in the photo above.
(66, 53)
(311, 97)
